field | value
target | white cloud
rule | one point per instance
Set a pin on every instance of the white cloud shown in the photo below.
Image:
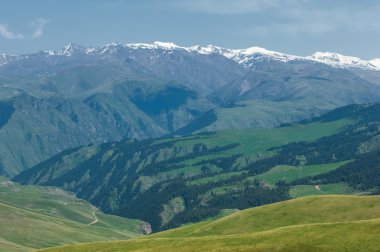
(39, 25)
(8, 34)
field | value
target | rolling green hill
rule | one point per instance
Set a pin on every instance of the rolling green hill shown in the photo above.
(318, 223)
(37, 217)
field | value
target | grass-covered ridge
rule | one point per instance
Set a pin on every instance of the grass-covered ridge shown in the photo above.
(304, 224)
(37, 217)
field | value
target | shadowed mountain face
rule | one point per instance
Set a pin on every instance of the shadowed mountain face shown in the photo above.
(6, 111)
(51, 101)
(35, 128)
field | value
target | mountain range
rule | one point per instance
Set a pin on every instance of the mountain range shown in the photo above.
(54, 100)
(242, 56)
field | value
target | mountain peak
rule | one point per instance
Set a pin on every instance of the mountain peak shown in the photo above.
(72, 48)
(155, 45)
(335, 58)
(342, 61)
(375, 62)
(166, 45)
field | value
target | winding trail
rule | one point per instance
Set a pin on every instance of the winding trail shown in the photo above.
(319, 189)
(95, 221)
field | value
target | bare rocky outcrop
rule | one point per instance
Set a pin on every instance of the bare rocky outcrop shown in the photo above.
(145, 228)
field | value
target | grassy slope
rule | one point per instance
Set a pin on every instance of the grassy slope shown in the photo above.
(51, 217)
(319, 223)
(253, 143)
(258, 140)
(290, 173)
(308, 190)
(318, 237)
(308, 210)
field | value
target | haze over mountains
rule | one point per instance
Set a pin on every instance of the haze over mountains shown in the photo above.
(51, 101)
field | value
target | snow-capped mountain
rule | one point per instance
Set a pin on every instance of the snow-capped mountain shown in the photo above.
(241, 56)
(72, 48)
(4, 58)
(246, 57)
(341, 61)
(375, 62)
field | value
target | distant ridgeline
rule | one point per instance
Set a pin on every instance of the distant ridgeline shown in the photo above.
(52, 101)
(171, 181)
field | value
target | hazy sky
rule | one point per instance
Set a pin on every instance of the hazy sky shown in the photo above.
(301, 27)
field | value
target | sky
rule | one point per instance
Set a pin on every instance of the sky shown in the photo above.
(299, 27)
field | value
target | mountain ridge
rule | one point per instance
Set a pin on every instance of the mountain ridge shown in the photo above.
(150, 90)
(241, 56)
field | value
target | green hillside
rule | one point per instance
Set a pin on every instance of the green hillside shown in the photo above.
(37, 217)
(168, 182)
(305, 224)
(289, 173)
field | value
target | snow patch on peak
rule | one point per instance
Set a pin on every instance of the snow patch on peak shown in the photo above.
(166, 45)
(245, 56)
(342, 61)
(257, 50)
(6, 58)
(109, 48)
(3, 59)
(156, 45)
(72, 48)
(375, 62)
(334, 58)
(210, 49)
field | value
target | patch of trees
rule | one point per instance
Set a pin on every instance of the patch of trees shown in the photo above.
(172, 163)
(335, 148)
(148, 205)
(362, 174)
(225, 163)
(251, 196)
